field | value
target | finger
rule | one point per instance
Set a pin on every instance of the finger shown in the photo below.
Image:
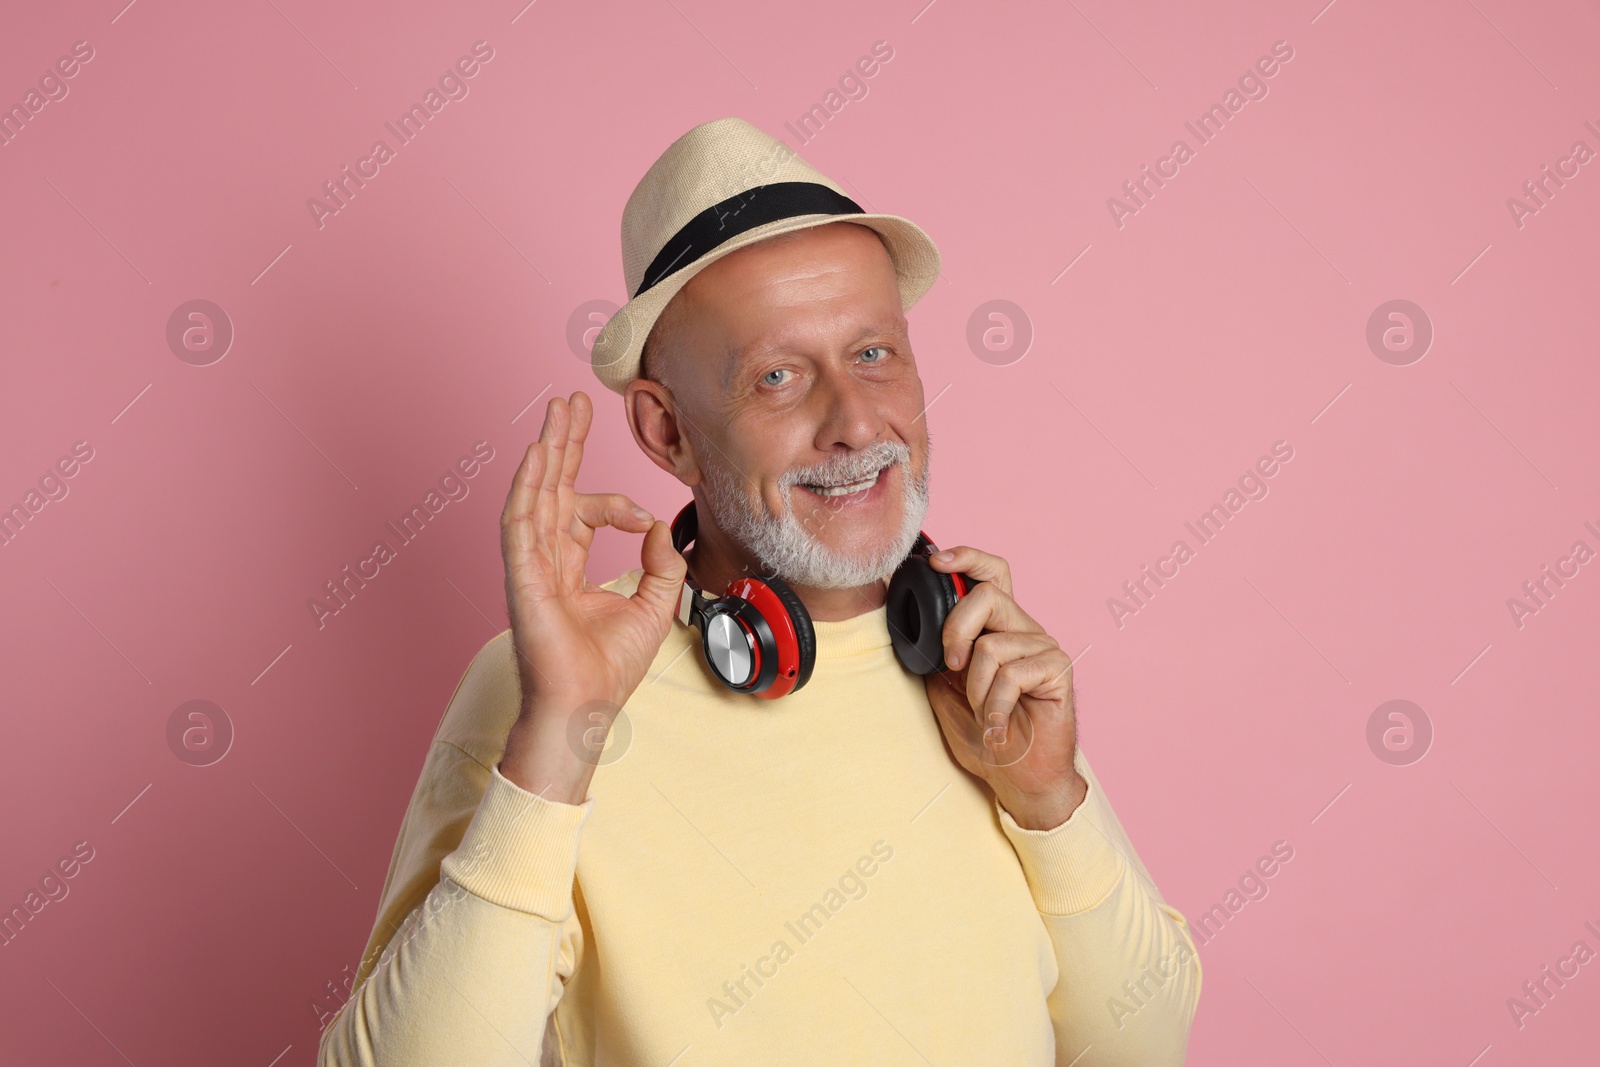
(524, 487)
(992, 651)
(580, 414)
(664, 572)
(1035, 676)
(546, 503)
(979, 566)
(987, 607)
(591, 511)
(967, 738)
(516, 520)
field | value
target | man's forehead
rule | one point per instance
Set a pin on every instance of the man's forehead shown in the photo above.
(805, 334)
(801, 292)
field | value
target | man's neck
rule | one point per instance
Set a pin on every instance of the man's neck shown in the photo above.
(712, 571)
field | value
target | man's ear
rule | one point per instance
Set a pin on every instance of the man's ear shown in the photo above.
(653, 417)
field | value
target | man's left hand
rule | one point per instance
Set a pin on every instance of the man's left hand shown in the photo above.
(1005, 703)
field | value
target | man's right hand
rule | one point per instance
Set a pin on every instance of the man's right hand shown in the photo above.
(580, 649)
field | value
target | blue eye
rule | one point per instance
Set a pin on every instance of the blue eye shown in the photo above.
(767, 378)
(877, 348)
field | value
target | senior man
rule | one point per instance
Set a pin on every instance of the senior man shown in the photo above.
(614, 855)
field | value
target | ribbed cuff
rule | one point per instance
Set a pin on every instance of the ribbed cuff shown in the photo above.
(520, 850)
(1071, 867)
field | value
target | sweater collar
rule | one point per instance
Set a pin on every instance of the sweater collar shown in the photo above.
(847, 637)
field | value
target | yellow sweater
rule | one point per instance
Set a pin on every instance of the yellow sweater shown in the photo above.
(811, 880)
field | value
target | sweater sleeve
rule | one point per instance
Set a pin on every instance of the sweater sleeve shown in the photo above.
(477, 967)
(476, 931)
(1128, 974)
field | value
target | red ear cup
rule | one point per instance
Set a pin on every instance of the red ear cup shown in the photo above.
(796, 619)
(785, 643)
(920, 599)
(757, 638)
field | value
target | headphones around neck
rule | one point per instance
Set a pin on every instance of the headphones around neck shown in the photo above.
(757, 637)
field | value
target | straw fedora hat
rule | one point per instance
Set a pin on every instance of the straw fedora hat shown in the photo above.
(720, 187)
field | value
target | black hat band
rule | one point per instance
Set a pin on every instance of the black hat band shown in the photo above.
(722, 222)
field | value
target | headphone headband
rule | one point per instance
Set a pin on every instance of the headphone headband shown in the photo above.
(684, 526)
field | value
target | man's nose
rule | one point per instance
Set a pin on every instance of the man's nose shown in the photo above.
(851, 414)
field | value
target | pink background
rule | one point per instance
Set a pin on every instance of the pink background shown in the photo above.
(1229, 313)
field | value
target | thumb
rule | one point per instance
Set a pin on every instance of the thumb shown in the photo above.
(664, 572)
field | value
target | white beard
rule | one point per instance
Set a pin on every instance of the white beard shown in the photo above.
(786, 547)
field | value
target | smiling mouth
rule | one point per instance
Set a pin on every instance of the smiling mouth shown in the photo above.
(845, 488)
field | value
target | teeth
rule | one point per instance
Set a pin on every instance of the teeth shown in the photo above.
(845, 490)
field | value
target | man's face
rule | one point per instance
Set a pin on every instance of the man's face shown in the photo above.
(800, 399)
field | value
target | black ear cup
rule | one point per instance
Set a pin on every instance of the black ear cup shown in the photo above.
(807, 637)
(920, 599)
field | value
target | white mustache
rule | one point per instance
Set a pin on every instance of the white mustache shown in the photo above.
(862, 466)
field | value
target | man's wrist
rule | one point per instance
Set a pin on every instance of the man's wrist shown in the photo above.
(537, 761)
(1048, 810)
